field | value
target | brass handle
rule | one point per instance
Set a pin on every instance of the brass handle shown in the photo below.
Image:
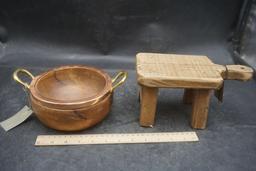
(23, 71)
(121, 74)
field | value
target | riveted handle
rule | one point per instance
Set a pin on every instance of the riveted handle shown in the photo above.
(122, 75)
(22, 71)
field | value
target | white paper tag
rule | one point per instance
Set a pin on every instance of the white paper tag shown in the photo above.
(16, 119)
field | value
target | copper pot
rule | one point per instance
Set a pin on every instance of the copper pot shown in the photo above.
(71, 98)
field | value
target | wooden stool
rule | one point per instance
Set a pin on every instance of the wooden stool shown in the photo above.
(198, 75)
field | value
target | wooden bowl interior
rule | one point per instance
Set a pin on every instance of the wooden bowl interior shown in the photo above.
(71, 84)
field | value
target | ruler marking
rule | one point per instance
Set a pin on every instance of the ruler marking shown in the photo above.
(48, 140)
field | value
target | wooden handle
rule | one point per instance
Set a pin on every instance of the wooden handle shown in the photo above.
(238, 72)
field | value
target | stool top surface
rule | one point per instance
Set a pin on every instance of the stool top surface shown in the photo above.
(178, 71)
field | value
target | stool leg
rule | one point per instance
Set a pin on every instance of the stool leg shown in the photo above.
(148, 101)
(200, 108)
(188, 96)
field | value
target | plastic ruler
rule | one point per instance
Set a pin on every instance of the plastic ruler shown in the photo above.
(122, 138)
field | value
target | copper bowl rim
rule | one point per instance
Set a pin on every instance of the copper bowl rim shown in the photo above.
(87, 101)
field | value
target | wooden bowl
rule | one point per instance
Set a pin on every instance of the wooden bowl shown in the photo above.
(71, 98)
